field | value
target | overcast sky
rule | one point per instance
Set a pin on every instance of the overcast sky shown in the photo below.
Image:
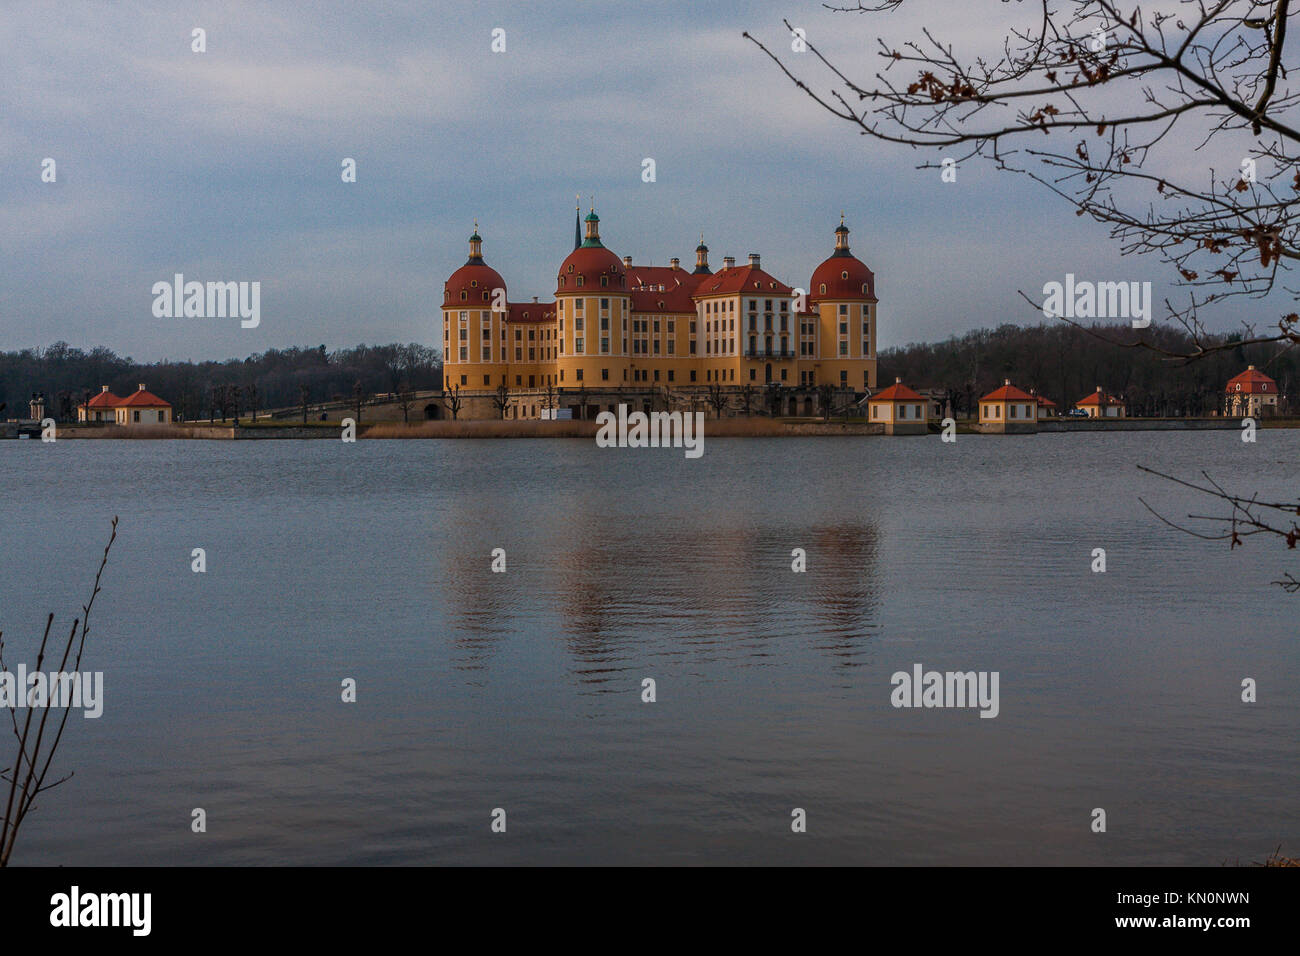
(225, 165)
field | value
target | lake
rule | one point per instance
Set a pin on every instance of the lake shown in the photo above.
(522, 690)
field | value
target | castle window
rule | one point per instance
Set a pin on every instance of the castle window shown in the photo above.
(823, 288)
(579, 282)
(604, 375)
(579, 374)
(844, 275)
(692, 375)
(473, 283)
(864, 288)
(464, 296)
(604, 281)
(570, 268)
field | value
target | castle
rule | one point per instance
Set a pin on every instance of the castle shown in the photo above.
(657, 337)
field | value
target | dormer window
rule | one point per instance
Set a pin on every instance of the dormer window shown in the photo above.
(604, 280)
(464, 296)
(844, 275)
(570, 268)
(579, 282)
(864, 289)
(823, 288)
(473, 284)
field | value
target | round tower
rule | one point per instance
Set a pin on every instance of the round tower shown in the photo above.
(592, 313)
(474, 312)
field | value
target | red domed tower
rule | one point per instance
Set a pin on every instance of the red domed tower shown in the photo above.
(843, 298)
(474, 311)
(592, 312)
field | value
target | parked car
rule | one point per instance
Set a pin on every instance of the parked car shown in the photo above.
(1076, 413)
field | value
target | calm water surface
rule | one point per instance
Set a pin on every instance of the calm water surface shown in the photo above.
(523, 690)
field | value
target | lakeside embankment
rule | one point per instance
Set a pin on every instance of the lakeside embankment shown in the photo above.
(715, 428)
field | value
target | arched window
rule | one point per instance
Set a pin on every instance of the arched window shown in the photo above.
(823, 288)
(604, 280)
(864, 289)
(464, 296)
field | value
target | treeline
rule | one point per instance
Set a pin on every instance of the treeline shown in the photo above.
(1065, 363)
(272, 379)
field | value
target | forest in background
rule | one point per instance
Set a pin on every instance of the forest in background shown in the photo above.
(272, 379)
(1063, 362)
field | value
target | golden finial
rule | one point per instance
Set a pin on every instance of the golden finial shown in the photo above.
(841, 217)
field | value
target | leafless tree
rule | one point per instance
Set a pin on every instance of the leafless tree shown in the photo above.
(26, 776)
(747, 395)
(826, 400)
(405, 399)
(1244, 518)
(358, 397)
(1101, 104)
(451, 398)
(718, 399)
(304, 393)
(501, 400)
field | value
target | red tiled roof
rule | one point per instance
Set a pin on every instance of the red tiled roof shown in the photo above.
(1047, 402)
(1008, 393)
(1252, 382)
(530, 311)
(897, 393)
(477, 281)
(675, 296)
(838, 285)
(590, 262)
(1098, 398)
(144, 399)
(104, 400)
(742, 279)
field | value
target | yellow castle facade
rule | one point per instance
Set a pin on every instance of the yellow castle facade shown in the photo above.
(658, 336)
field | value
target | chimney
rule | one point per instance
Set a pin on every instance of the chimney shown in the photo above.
(1006, 381)
(534, 298)
(627, 262)
(753, 260)
(898, 381)
(728, 262)
(1250, 368)
(141, 388)
(103, 388)
(1098, 389)
(677, 264)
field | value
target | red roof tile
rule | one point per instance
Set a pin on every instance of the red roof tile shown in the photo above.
(144, 399)
(104, 400)
(742, 279)
(1098, 398)
(530, 312)
(1008, 393)
(1252, 382)
(897, 393)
